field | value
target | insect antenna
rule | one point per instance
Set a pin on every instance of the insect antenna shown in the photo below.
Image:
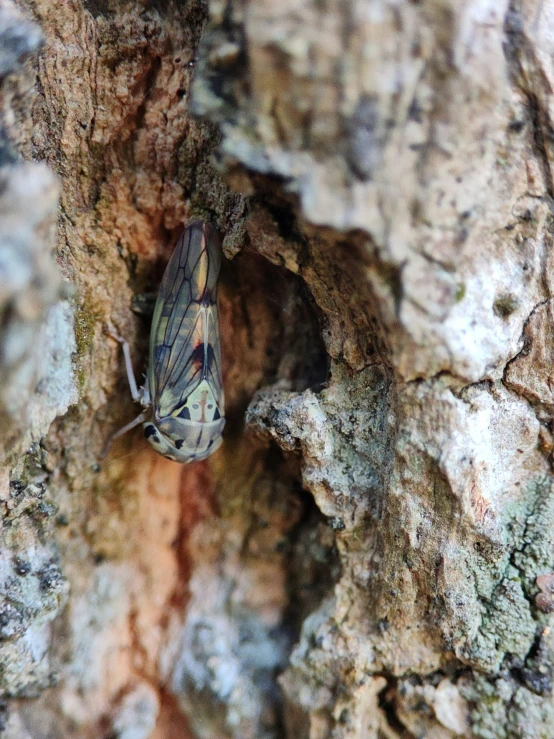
(112, 462)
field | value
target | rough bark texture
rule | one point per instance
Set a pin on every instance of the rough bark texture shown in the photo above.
(371, 553)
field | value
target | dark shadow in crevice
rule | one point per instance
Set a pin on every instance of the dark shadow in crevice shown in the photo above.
(311, 567)
(295, 351)
(387, 704)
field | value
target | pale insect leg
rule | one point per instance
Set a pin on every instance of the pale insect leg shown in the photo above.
(138, 420)
(135, 392)
(138, 395)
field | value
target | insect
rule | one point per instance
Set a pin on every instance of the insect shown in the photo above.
(183, 397)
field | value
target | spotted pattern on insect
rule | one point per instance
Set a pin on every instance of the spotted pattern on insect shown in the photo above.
(184, 390)
(184, 376)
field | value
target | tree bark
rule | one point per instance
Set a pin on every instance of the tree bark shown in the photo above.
(370, 555)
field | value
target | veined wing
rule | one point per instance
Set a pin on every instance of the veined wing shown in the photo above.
(184, 339)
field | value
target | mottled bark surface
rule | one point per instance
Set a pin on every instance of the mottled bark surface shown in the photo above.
(371, 553)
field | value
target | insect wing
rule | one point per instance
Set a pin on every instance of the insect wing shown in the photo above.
(184, 339)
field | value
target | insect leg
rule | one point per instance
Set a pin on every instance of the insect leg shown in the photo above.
(135, 392)
(138, 420)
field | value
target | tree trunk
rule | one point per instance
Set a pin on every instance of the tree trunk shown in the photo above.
(370, 555)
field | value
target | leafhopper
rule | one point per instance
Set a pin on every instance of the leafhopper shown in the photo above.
(183, 396)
